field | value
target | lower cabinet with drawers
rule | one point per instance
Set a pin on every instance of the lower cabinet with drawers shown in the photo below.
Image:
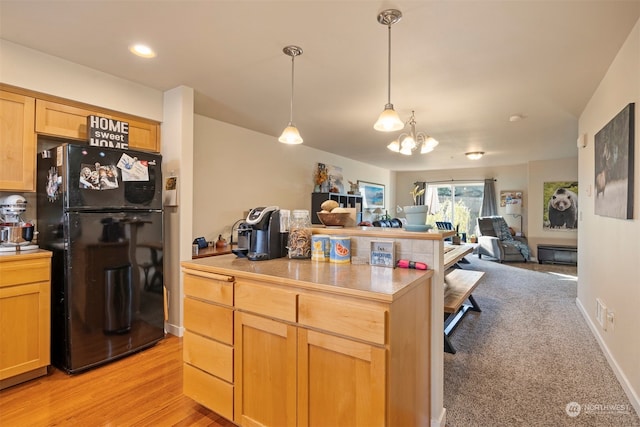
(272, 350)
(25, 307)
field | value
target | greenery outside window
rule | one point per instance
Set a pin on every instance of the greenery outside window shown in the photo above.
(458, 204)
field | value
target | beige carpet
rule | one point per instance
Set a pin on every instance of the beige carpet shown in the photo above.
(529, 358)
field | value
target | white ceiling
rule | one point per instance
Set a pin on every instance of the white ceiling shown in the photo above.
(463, 66)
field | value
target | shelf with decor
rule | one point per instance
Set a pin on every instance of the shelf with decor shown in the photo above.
(344, 200)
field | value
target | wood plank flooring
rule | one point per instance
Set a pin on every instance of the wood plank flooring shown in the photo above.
(144, 389)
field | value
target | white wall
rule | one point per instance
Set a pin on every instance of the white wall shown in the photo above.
(540, 172)
(177, 160)
(609, 249)
(30, 69)
(236, 169)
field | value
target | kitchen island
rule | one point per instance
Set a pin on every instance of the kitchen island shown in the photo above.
(300, 342)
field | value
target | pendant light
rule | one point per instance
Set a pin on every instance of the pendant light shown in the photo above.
(407, 143)
(389, 121)
(290, 135)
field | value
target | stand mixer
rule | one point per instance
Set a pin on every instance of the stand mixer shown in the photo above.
(15, 234)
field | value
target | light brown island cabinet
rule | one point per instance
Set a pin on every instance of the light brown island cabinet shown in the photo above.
(313, 343)
(25, 301)
(68, 121)
(17, 142)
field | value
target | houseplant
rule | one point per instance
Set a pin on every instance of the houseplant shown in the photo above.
(416, 214)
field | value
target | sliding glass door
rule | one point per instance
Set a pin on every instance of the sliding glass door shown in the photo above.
(457, 203)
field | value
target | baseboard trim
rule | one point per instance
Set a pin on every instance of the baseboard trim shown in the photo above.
(440, 421)
(173, 329)
(622, 378)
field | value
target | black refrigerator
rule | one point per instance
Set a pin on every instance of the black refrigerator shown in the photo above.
(100, 213)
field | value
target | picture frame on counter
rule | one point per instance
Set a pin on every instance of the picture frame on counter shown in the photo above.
(383, 253)
(373, 195)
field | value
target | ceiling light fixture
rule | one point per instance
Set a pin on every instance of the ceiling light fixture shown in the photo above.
(474, 155)
(408, 143)
(142, 51)
(290, 135)
(389, 121)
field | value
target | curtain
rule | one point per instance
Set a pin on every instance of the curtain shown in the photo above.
(489, 205)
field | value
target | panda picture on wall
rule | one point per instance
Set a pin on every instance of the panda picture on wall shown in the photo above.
(561, 209)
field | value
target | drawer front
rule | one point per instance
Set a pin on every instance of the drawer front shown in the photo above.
(208, 390)
(24, 271)
(268, 301)
(209, 355)
(364, 322)
(209, 289)
(210, 320)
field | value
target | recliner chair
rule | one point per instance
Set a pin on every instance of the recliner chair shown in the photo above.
(495, 240)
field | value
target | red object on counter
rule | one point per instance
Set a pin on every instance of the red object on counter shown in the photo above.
(404, 263)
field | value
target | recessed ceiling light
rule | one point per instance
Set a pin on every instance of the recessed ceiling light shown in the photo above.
(474, 155)
(516, 117)
(142, 51)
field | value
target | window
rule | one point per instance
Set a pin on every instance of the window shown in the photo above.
(458, 204)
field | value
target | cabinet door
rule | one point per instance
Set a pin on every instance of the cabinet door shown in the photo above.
(340, 382)
(264, 371)
(24, 328)
(17, 142)
(71, 122)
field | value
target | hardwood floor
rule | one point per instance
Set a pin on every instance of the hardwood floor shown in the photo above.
(143, 389)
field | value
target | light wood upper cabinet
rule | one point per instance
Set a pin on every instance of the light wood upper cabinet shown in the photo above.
(25, 301)
(68, 121)
(17, 142)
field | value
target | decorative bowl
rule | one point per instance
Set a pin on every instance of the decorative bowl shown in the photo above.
(333, 219)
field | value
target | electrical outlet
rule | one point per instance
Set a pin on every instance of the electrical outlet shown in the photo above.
(601, 314)
(610, 319)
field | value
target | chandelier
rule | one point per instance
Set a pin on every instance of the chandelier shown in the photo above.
(408, 143)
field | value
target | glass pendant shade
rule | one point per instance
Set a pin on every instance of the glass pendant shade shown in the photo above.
(290, 135)
(389, 120)
(394, 146)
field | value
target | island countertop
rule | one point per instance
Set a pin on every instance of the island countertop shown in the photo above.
(370, 282)
(384, 232)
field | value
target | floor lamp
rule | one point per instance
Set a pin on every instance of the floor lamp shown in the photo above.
(515, 209)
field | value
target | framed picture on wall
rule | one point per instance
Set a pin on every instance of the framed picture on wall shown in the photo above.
(372, 195)
(614, 168)
(560, 210)
(510, 197)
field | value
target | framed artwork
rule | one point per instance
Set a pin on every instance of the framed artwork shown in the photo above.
(614, 168)
(510, 198)
(560, 211)
(383, 253)
(330, 178)
(372, 195)
(171, 191)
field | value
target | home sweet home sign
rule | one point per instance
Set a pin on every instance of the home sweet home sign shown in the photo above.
(105, 132)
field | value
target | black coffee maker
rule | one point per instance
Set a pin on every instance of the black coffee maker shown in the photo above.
(266, 241)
